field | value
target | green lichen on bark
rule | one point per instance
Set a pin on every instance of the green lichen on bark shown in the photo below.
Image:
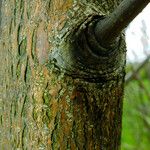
(44, 106)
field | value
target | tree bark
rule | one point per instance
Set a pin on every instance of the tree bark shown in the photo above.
(56, 92)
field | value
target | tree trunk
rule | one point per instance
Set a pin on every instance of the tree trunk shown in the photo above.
(56, 93)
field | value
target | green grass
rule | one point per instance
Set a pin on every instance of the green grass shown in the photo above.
(136, 132)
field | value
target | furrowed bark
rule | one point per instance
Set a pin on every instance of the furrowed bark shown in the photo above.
(57, 93)
(108, 29)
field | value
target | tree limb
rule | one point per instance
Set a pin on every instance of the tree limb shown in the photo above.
(108, 29)
(132, 74)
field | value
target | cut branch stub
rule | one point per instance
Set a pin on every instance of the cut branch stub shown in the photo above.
(108, 30)
(95, 46)
(81, 56)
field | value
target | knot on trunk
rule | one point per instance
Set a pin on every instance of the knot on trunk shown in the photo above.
(82, 56)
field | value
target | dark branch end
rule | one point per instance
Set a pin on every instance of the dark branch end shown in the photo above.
(108, 30)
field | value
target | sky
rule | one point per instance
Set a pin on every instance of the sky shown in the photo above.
(136, 52)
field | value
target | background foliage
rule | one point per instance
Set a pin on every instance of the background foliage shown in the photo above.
(136, 112)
